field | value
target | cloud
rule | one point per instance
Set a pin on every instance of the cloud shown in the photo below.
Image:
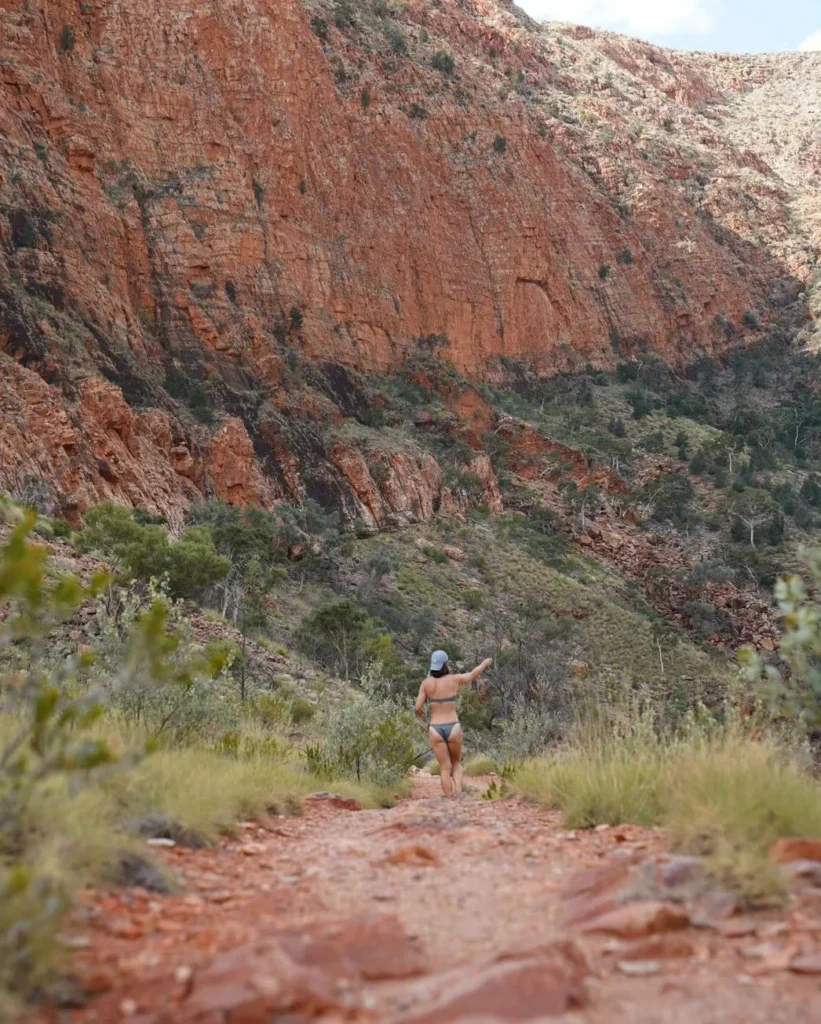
(812, 42)
(635, 17)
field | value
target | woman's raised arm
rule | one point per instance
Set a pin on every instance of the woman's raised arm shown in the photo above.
(469, 677)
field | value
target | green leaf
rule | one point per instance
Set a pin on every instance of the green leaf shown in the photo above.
(45, 704)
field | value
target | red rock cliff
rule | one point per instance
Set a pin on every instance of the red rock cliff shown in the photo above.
(190, 191)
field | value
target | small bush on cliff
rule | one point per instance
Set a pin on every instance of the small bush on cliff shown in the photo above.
(397, 42)
(67, 39)
(319, 26)
(190, 565)
(253, 532)
(443, 61)
(500, 145)
(670, 497)
(344, 14)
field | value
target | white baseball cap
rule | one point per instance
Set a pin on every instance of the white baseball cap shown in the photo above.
(438, 661)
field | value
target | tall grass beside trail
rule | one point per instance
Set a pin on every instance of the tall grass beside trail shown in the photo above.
(721, 793)
(74, 837)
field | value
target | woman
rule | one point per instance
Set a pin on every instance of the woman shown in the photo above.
(441, 690)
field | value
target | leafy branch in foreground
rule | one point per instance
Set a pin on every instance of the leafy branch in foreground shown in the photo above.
(797, 692)
(45, 736)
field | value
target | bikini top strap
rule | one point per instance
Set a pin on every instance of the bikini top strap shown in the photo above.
(444, 700)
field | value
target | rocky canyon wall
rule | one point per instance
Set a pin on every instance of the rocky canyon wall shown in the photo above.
(196, 195)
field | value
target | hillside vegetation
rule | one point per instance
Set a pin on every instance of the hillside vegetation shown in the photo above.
(274, 653)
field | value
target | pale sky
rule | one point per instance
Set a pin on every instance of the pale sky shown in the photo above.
(739, 26)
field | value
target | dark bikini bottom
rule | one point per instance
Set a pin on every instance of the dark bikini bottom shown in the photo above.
(445, 730)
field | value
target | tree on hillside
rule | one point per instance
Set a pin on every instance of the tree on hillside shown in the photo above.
(337, 634)
(253, 612)
(754, 508)
(531, 649)
(581, 499)
(670, 498)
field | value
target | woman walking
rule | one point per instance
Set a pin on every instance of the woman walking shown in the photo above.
(441, 690)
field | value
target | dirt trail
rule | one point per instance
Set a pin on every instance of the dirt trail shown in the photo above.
(453, 887)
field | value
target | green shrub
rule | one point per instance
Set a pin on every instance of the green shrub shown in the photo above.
(706, 619)
(243, 534)
(271, 710)
(653, 442)
(67, 39)
(444, 62)
(190, 565)
(642, 403)
(755, 516)
(397, 43)
(319, 27)
(368, 738)
(336, 634)
(61, 528)
(344, 14)
(480, 765)
(627, 371)
(47, 741)
(302, 710)
(671, 497)
(798, 692)
(530, 727)
(436, 555)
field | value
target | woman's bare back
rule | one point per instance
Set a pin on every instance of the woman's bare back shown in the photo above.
(439, 690)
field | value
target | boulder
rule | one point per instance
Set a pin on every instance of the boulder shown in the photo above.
(532, 988)
(809, 964)
(785, 850)
(634, 920)
(342, 803)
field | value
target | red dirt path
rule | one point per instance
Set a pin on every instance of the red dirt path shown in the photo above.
(467, 881)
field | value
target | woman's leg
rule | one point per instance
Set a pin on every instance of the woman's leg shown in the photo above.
(442, 755)
(454, 745)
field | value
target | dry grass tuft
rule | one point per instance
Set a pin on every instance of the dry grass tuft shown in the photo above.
(722, 794)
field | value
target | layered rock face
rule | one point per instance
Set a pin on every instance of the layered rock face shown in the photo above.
(198, 200)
